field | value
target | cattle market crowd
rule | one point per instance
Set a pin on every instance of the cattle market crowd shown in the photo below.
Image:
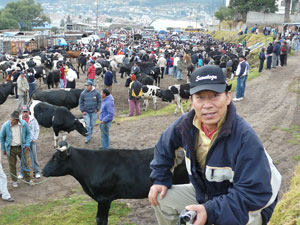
(144, 63)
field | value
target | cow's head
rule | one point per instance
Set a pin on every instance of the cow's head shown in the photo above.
(127, 82)
(80, 126)
(58, 165)
(165, 95)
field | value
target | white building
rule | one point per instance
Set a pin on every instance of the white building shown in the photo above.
(281, 6)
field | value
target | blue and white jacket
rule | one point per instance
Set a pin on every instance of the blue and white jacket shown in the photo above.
(241, 69)
(239, 184)
(6, 136)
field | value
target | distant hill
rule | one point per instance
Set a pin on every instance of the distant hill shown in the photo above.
(149, 3)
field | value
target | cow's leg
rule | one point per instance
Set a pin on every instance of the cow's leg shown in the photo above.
(176, 107)
(146, 103)
(64, 136)
(158, 81)
(178, 100)
(154, 102)
(55, 139)
(102, 213)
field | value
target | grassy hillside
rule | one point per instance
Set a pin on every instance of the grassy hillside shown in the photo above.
(287, 211)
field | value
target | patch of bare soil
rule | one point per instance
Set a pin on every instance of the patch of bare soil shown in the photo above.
(271, 103)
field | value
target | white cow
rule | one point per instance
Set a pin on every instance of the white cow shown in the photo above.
(149, 93)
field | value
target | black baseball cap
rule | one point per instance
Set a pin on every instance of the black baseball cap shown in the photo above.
(208, 77)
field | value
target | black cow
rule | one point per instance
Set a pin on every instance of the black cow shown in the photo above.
(126, 69)
(68, 98)
(108, 175)
(57, 117)
(4, 66)
(175, 93)
(81, 62)
(5, 90)
(151, 69)
(190, 70)
(142, 78)
(38, 72)
(53, 78)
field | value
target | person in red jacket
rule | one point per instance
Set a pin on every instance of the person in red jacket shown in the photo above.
(92, 72)
(62, 76)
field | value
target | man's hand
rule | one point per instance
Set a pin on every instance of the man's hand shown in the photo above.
(201, 214)
(84, 113)
(4, 152)
(96, 110)
(154, 190)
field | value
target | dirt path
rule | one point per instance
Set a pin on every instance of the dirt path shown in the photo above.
(271, 103)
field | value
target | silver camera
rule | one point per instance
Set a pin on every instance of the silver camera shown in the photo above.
(187, 216)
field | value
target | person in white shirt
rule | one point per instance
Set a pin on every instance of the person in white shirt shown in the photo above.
(162, 62)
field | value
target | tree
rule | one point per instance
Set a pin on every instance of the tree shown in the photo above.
(224, 13)
(8, 21)
(69, 19)
(55, 30)
(26, 13)
(242, 7)
(287, 7)
(62, 23)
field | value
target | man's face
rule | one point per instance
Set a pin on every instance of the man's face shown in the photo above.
(13, 122)
(210, 107)
(103, 96)
(89, 87)
(25, 114)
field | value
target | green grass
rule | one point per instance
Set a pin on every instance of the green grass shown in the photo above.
(76, 209)
(294, 131)
(167, 110)
(287, 211)
(296, 157)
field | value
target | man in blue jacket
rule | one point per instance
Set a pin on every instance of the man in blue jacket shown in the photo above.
(89, 103)
(15, 139)
(106, 116)
(233, 179)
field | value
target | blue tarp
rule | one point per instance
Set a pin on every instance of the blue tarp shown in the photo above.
(162, 34)
(62, 42)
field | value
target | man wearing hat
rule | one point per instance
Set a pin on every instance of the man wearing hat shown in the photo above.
(15, 140)
(23, 88)
(135, 93)
(89, 103)
(34, 134)
(233, 179)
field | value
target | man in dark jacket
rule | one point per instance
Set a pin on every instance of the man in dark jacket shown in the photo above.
(269, 56)
(275, 55)
(262, 57)
(233, 179)
(108, 79)
(89, 103)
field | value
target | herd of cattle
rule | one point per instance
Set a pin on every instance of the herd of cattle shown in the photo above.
(52, 108)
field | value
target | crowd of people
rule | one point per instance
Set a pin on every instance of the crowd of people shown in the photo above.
(233, 179)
